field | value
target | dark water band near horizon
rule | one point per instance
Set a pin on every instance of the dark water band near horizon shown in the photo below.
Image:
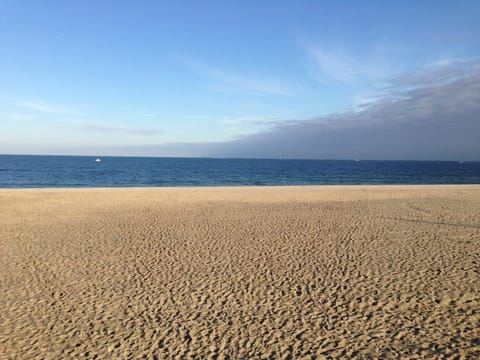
(35, 171)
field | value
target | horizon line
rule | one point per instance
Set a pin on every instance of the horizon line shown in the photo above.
(237, 158)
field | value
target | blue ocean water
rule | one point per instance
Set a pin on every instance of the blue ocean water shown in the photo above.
(22, 171)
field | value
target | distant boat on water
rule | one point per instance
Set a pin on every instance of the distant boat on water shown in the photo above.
(98, 160)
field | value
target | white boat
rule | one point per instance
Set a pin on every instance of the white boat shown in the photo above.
(98, 160)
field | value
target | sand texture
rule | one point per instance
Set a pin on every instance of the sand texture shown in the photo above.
(241, 273)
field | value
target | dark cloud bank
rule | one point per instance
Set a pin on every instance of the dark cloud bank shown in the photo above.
(429, 115)
(432, 115)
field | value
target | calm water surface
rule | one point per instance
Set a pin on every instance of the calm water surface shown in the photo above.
(20, 171)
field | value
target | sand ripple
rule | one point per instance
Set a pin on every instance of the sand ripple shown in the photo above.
(262, 273)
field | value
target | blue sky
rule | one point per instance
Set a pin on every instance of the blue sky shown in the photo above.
(109, 76)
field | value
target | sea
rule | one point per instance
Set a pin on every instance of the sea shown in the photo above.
(26, 171)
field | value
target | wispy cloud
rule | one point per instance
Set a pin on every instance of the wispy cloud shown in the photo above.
(334, 65)
(106, 129)
(252, 119)
(226, 81)
(431, 75)
(446, 61)
(238, 126)
(17, 117)
(70, 118)
(340, 65)
(44, 107)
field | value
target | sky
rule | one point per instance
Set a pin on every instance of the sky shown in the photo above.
(277, 79)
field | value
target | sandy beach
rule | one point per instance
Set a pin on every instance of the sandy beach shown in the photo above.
(241, 273)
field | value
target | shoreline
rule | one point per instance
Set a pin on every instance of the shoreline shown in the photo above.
(246, 187)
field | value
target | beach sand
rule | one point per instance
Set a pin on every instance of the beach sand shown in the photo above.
(240, 273)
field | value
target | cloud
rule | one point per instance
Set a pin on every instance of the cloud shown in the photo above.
(452, 61)
(225, 81)
(338, 66)
(17, 117)
(50, 108)
(341, 66)
(373, 64)
(105, 129)
(435, 115)
(431, 120)
(252, 119)
(434, 76)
